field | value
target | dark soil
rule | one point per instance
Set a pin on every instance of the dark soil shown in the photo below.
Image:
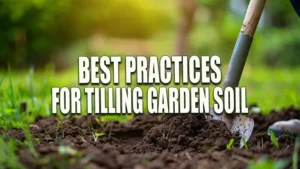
(173, 141)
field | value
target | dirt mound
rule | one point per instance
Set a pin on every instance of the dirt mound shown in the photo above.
(175, 141)
(190, 133)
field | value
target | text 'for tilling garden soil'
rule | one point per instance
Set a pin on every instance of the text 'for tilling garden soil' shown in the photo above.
(152, 84)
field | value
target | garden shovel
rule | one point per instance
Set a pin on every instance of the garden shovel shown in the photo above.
(235, 122)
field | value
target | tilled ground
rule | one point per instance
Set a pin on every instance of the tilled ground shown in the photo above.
(173, 141)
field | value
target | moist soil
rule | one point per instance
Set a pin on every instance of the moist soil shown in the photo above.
(150, 142)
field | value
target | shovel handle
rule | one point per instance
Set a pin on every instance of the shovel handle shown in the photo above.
(242, 46)
(253, 14)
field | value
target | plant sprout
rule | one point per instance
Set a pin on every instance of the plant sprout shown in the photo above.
(229, 145)
(97, 135)
(245, 143)
(274, 139)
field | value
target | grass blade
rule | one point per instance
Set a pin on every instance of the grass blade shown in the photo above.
(31, 71)
(245, 143)
(11, 90)
(229, 145)
(274, 139)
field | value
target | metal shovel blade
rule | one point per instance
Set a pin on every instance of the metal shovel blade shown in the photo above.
(239, 124)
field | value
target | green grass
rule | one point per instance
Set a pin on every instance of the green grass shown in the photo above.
(8, 158)
(18, 116)
(271, 88)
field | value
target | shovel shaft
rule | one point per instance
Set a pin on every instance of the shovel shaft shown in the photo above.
(243, 44)
(237, 61)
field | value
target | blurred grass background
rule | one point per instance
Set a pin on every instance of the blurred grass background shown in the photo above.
(41, 40)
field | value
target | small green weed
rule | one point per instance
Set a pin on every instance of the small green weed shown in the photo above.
(97, 135)
(245, 143)
(229, 145)
(274, 139)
